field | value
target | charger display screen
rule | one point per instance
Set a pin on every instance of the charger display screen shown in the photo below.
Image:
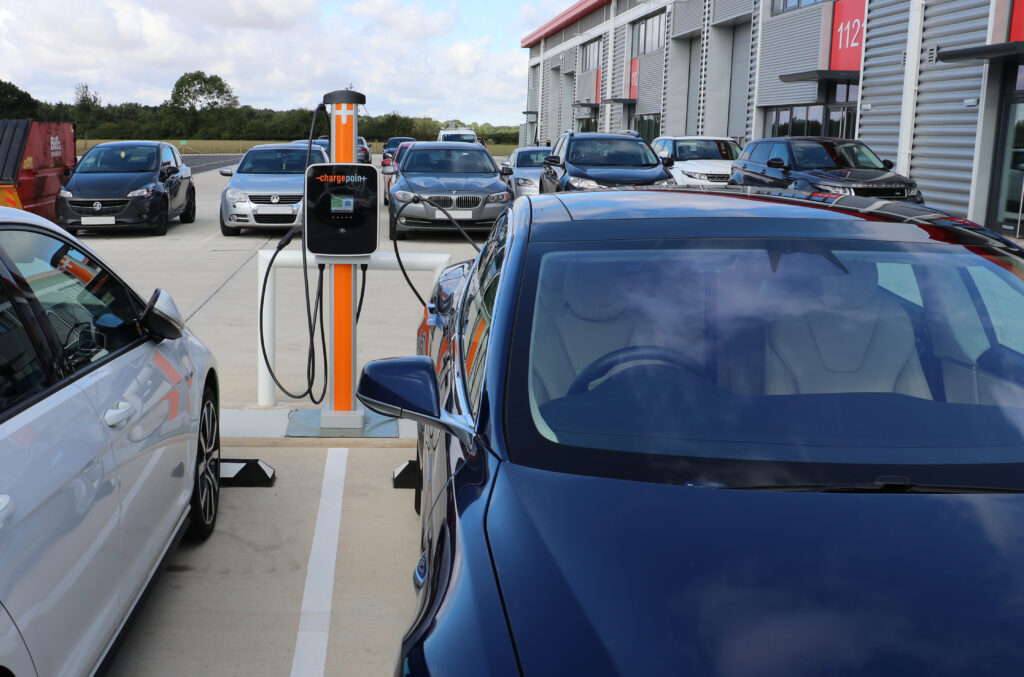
(341, 209)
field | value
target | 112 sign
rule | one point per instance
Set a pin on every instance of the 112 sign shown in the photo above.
(847, 35)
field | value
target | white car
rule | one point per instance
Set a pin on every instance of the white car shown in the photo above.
(464, 134)
(109, 447)
(699, 160)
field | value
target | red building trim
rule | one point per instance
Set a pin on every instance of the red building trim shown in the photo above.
(569, 16)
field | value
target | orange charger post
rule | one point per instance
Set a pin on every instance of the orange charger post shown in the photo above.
(341, 409)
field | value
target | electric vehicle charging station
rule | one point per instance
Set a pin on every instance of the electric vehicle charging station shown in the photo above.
(341, 228)
(341, 213)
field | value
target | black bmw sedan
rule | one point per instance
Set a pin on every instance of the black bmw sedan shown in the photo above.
(128, 184)
(671, 433)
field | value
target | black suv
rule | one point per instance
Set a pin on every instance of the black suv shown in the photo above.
(816, 164)
(584, 161)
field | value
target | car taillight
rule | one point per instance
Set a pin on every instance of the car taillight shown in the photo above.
(385, 162)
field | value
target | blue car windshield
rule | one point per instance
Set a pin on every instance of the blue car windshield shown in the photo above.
(528, 159)
(449, 161)
(604, 152)
(278, 161)
(837, 353)
(121, 159)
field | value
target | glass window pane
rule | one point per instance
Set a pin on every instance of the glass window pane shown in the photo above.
(798, 126)
(814, 117)
(21, 374)
(784, 122)
(853, 92)
(1004, 304)
(91, 313)
(835, 122)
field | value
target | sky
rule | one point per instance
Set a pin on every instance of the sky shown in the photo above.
(444, 59)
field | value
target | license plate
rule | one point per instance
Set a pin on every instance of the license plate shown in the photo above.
(460, 213)
(97, 220)
(274, 209)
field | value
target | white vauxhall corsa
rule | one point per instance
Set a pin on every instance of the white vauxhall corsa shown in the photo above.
(699, 160)
(109, 447)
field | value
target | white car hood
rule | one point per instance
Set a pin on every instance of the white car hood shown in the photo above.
(704, 166)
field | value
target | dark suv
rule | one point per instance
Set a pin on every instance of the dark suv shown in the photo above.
(587, 161)
(815, 164)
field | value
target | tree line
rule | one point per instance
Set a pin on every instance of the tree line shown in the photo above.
(204, 107)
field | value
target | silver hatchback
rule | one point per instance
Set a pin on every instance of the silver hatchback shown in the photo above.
(266, 188)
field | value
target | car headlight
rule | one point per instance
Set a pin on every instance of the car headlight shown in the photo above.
(695, 175)
(524, 182)
(579, 182)
(403, 195)
(66, 194)
(839, 190)
(145, 191)
(234, 195)
(913, 191)
(665, 182)
(503, 196)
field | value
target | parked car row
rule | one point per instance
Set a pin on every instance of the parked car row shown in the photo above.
(588, 161)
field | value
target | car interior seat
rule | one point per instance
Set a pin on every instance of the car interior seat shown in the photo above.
(852, 338)
(585, 311)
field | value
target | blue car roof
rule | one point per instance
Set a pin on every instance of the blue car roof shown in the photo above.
(647, 214)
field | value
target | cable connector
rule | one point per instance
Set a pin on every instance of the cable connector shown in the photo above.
(288, 237)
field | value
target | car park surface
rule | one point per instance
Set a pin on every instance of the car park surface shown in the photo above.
(128, 184)
(851, 374)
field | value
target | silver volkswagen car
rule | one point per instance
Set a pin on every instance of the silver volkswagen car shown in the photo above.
(461, 178)
(265, 190)
(109, 447)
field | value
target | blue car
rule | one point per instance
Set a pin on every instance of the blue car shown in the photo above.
(592, 161)
(667, 433)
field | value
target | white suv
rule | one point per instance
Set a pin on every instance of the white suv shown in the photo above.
(464, 134)
(699, 160)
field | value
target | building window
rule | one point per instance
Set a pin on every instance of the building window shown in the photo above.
(649, 126)
(590, 56)
(648, 35)
(779, 6)
(833, 119)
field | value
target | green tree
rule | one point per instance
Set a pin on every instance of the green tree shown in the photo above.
(16, 103)
(195, 99)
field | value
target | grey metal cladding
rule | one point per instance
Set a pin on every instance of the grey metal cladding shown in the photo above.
(885, 40)
(755, 26)
(565, 120)
(569, 60)
(617, 76)
(532, 88)
(651, 85)
(790, 43)
(687, 17)
(945, 127)
(586, 84)
(737, 125)
(724, 11)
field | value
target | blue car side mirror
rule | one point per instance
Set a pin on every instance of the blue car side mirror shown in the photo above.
(406, 387)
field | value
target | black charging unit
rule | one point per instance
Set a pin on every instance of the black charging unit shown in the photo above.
(342, 216)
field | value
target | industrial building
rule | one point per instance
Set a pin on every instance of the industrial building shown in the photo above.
(937, 86)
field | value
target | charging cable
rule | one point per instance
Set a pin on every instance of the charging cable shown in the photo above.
(314, 311)
(417, 199)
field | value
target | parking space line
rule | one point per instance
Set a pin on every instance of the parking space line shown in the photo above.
(315, 618)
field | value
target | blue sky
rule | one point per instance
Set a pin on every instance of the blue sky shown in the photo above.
(443, 58)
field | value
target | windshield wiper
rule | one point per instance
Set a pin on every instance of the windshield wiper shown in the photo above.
(887, 484)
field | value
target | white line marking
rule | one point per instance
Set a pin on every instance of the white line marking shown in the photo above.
(315, 619)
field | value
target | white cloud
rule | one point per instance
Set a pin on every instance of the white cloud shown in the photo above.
(413, 57)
